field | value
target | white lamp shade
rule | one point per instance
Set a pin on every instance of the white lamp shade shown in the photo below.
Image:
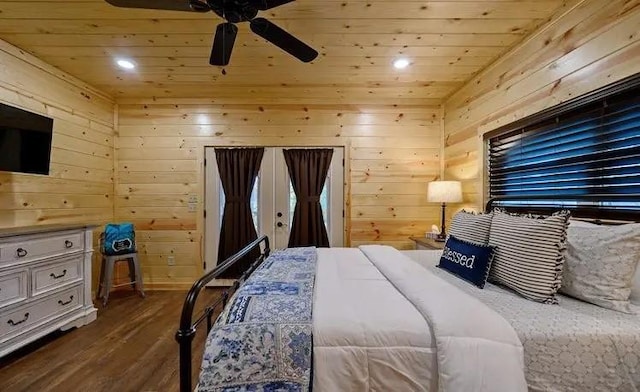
(444, 192)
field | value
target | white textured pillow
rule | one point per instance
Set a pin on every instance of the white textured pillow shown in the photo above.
(579, 223)
(635, 288)
(600, 264)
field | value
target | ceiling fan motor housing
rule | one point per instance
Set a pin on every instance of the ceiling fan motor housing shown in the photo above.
(234, 11)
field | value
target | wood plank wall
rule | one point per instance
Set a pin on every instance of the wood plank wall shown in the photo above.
(79, 188)
(392, 152)
(589, 46)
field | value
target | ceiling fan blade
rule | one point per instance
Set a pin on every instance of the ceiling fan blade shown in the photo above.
(283, 40)
(223, 44)
(169, 5)
(264, 5)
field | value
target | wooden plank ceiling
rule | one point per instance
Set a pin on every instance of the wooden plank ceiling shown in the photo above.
(446, 41)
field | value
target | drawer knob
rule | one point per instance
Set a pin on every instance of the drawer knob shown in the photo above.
(62, 303)
(68, 244)
(21, 252)
(14, 323)
(54, 276)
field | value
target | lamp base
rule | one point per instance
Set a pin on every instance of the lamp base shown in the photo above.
(440, 238)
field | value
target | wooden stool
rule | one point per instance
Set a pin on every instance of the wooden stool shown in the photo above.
(106, 275)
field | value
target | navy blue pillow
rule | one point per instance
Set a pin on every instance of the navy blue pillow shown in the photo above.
(467, 260)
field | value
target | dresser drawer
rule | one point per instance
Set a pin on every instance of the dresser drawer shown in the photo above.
(13, 287)
(28, 316)
(52, 275)
(41, 247)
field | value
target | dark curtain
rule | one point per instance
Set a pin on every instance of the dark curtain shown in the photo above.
(308, 170)
(238, 168)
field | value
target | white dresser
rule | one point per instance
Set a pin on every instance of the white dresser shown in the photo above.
(45, 282)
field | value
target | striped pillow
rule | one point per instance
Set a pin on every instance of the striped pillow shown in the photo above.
(470, 227)
(529, 253)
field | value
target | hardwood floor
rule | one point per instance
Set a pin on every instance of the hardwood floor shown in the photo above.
(130, 347)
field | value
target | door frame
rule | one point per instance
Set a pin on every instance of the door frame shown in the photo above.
(209, 262)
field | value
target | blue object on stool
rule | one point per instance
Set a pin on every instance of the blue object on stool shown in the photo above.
(117, 243)
(119, 239)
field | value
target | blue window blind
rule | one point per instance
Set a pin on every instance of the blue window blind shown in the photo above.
(584, 157)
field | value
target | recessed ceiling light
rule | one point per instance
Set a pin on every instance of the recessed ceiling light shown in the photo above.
(126, 64)
(401, 63)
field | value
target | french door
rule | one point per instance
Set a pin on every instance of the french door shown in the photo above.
(273, 201)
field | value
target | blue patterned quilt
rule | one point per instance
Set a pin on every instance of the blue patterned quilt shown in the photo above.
(262, 341)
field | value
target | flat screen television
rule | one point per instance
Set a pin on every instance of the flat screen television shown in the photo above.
(25, 141)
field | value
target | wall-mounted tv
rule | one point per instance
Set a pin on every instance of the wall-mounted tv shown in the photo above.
(25, 141)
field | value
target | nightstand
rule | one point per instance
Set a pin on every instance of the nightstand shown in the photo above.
(424, 243)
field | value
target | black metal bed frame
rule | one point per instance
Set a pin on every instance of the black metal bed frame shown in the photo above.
(187, 330)
(588, 209)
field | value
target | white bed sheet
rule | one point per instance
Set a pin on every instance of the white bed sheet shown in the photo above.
(573, 346)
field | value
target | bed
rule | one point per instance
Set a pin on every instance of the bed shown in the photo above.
(374, 318)
(575, 346)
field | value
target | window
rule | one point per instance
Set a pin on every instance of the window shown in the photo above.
(584, 154)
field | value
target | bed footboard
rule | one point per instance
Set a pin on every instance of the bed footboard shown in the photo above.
(187, 330)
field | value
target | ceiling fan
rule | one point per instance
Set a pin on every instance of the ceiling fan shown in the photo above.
(233, 11)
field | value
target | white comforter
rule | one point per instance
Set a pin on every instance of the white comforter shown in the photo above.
(383, 323)
(571, 347)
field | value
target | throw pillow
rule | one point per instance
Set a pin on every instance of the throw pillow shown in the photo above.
(635, 288)
(600, 264)
(581, 223)
(467, 260)
(467, 226)
(529, 253)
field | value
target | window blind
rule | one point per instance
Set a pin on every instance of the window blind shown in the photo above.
(586, 157)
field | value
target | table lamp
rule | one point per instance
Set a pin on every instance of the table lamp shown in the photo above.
(444, 192)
